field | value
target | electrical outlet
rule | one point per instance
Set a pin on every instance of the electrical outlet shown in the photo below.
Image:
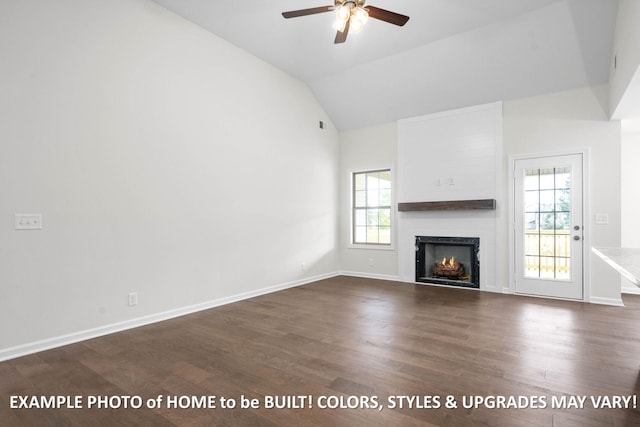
(28, 222)
(133, 299)
(302, 266)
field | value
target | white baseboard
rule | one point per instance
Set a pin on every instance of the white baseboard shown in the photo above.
(62, 340)
(607, 301)
(632, 290)
(370, 275)
(593, 300)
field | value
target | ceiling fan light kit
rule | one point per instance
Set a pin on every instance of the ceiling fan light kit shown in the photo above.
(349, 11)
(351, 15)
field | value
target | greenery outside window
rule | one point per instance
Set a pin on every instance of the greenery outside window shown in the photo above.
(371, 194)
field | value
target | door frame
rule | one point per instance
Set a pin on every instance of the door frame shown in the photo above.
(586, 212)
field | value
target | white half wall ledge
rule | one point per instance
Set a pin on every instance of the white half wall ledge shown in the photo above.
(631, 290)
(76, 337)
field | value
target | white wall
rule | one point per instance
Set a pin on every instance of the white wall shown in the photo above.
(624, 81)
(624, 77)
(575, 120)
(630, 198)
(365, 149)
(164, 160)
(450, 155)
(630, 190)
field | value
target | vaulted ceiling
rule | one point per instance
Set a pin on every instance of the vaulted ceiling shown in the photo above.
(451, 53)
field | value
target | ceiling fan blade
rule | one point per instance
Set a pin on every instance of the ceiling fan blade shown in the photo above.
(341, 36)
(387, 16)
(305, 12)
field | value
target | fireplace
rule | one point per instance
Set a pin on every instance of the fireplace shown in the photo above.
(448, 261)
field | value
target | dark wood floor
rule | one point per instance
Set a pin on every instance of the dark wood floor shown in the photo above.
(353, 338)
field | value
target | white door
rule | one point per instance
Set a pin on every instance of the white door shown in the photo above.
(549, 226)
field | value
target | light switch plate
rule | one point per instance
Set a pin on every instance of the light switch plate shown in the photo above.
(602, 219)
(28, 222)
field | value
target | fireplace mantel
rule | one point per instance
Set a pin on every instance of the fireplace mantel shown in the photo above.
(448, 205)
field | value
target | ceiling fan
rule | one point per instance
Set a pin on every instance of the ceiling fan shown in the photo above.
(351, 15)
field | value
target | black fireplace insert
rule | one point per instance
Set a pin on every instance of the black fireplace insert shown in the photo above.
(449, 261)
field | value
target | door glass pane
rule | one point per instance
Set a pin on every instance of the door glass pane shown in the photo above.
(531, 201)
(547, 267)
(547, 223)
(532, 266)
(547, 179)
(563, 221)
(546, 201)
(531, 221)
(531, 182)
(532, 246)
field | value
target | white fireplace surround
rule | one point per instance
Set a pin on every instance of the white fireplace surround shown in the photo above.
(463, 225)
(455, 155)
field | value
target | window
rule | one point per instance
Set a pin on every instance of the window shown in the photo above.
(371, 195)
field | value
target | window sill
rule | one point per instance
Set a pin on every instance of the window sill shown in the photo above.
(371, 247)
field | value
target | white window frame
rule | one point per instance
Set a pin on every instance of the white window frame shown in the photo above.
(372, 246)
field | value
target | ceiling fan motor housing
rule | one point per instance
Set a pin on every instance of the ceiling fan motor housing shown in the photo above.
(355, 3)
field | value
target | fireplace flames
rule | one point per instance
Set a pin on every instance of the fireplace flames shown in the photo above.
(449, 262)
(449, 268)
